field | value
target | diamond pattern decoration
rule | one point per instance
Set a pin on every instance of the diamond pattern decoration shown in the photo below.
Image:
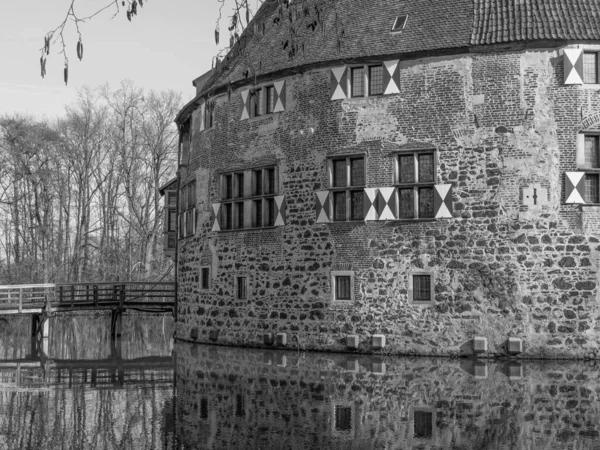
(442, 201)
(279, 96)
(574, 187)
(339, 83)
(380, 204)
(322, 206)
(217, 222)
(573, 62)
(280, 205)
(391, 77)
(246, 106)
(370, 197)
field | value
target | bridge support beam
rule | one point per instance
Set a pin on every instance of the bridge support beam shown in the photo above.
(116, 323)
(40, 332)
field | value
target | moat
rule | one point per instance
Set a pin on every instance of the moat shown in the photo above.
(165, 394)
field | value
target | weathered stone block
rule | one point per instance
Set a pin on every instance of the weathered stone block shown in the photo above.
(352, 341)
(378, 341)
(480, 344)
(480, 370)
(281, 339)
(515, 346)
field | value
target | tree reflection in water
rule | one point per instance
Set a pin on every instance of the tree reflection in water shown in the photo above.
(227, 398)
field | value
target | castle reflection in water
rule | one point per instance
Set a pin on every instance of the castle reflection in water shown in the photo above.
(211, 397)
(239, 398)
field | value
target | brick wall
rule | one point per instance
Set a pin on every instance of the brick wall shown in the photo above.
(503, 126)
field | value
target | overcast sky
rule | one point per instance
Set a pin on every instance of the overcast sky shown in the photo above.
(166, 46)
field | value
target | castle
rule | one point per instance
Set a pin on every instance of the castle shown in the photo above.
(412, 177)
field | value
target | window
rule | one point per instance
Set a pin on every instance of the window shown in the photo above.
(184, 142)
(399, 23)
(255, 102)
(591, 188)
(187, 210)
(248, 199)
(420, 287)
(591, 149)
(357, 76)
(342, 286)
(343, 418)
(204, 408)
(270, 100)
(423, 423)
(376, 80)
(415, 179)
(371, 84)
(241, 288)
(347, 181)
(590, 68)
(209, 114)
(204, 278)
(240, 406)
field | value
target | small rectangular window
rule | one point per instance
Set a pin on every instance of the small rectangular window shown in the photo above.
(255, 103)
(399, 23)
(591, 188)
(357, 211)
(269, 212)
(339, 173)
(239, 212)
(407, 204)
(269, 181)
(257, 183)
(590, 67)
(205, 278)
(421, 288)
(423, 424)
(343, 418)
(406, 165)
(347, 172)
(228, 222)
(257, 211)
(270, 100)
(357, 171)
(426, 202)
(375, 80)
(339, 206)
(228, 186)
(204, 408)
(357, 75)
(172, 225)
(426, 165)
(591, 151)
(240, 408)
(343, 287)
(241, 288)
(239, 178)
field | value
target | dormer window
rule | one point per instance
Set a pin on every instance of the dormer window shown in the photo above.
(400, 23)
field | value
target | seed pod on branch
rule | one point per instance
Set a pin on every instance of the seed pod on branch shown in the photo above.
(80, 50)
(43, 65)
(66, 73)
(217, 36)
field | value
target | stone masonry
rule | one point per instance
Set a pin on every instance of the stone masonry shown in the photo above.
(513, 261)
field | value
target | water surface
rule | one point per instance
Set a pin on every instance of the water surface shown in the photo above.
(154, 394)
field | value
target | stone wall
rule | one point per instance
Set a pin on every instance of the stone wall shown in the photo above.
(514, 261)
(234, 398)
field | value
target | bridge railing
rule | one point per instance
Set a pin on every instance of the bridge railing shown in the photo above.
(23, 297)
(111, 293)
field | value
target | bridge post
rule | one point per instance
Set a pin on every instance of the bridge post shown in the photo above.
(72, 296)
(60, 294)
(20, 300)
(122, 296)
(116, 323)
(95, 293)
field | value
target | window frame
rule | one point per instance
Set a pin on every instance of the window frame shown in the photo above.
(209, 114)
(596, 54)
(588, 169)
(366, 81)
(251, 208)
(237, 287)
(255, 102)
(187, 210)
(411, 294)
(348, 189)
(416, 185)
(204, 284)
(334, 281)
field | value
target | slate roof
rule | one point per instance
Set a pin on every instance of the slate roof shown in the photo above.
(363, 28)
(501, 21)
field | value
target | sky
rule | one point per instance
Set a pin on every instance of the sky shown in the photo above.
(166, 46)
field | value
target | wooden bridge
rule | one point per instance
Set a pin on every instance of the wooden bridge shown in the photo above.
(113, 372)
(43, 301)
